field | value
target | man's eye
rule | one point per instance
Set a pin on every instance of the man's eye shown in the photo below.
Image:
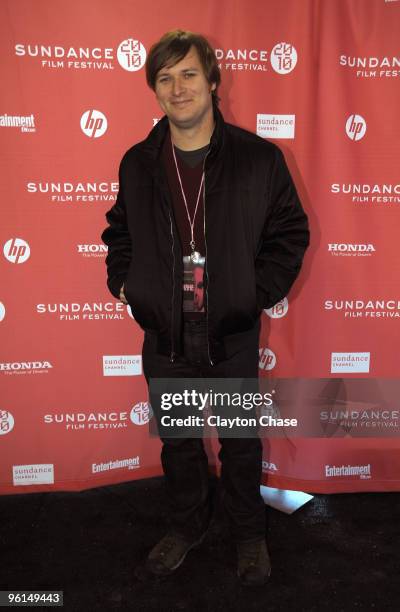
(163, 79)
(189, 74)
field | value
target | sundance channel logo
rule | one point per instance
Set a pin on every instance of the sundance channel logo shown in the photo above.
(34, 474)
(282, 58)
(84, 311)
(276, 126)
(74, 192)
(350, 363)
(130, 55)
(122, 365)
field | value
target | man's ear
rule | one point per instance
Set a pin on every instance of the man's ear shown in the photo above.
(213, 86)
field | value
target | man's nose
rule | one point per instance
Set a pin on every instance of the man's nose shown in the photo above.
(177, 86)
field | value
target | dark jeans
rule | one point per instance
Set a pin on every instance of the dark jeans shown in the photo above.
(184, 460)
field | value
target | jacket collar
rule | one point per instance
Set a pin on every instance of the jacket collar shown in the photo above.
(151, 147)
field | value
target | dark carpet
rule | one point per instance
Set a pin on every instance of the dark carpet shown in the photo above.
(338, 552)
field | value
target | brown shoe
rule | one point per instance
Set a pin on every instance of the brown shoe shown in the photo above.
(170, 552)
(254, 564)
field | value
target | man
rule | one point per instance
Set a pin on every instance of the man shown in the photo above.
(207, 230)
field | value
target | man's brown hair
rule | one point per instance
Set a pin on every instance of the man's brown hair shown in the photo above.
(172, 48)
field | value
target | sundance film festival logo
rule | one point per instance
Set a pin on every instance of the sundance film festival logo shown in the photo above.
(92, 420)
(2, 311)
(92, 250)
(279, 310)
(130, 55)
(26, 123)
(283, 59)
(356, 127)
(141, 413)
(367, 309)
(75, 192)
(16, 250)
(6, 422)
(93, 123)
(372, 67)
(88, 311)
(267, 360)
(351, 250)
(368, 193)
(25, 367)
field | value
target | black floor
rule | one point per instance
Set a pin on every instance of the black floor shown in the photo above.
(339, 552)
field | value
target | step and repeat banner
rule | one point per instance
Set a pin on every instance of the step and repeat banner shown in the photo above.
(320, 78)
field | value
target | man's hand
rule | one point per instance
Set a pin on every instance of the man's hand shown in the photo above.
(122, 295)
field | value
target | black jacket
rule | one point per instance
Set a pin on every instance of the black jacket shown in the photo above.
(255, 228)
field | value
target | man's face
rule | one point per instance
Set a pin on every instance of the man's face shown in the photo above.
(183, 91)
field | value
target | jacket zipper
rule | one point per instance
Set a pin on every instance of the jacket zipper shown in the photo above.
(205, 244)
(173, 290)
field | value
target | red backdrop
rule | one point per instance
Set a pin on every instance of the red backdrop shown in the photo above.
(319, 78)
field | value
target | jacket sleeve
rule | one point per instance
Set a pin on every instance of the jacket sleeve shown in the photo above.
(284, 239)
(116, 236)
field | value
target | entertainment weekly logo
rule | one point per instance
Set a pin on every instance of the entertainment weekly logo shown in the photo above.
(26, 123)
(282, 58)
(6, 422)
(371, 66)
(276, 126)
(34, 474)
(350, 363)
(90, 251)
(335, 471)
(130, 55)
(84, 311)
(344, 249)
(365, 309)
(25, 367)
(72, 192)
(140, 414)
(131, 463)
(368, 193)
